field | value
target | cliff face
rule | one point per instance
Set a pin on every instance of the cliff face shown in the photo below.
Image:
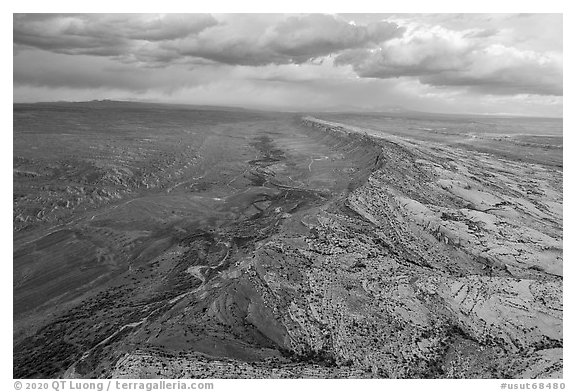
(434, 262)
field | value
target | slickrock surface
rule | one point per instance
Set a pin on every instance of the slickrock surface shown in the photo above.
(359, 254)
(442, 264)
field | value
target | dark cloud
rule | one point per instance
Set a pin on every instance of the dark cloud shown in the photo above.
(502, 62)
(416, 56)
(301, 38)
(103, 34)
(445, 58)
(163, 39)
(294, 39)
(518, 79)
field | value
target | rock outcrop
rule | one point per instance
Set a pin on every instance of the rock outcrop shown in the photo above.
(438, 263)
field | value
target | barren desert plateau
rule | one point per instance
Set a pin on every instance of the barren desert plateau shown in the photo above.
(211, 242)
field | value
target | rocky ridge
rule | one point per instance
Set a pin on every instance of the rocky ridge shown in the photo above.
(437, 262)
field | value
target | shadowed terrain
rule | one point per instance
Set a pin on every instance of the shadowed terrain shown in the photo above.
(173, 241)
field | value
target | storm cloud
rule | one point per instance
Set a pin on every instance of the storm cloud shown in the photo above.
(442, 57)
(103, 34)
(437, 61)
(242, 40)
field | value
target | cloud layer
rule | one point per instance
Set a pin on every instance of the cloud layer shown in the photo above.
(238, 40)
(441, 57)
(104, 34)
(448, 58)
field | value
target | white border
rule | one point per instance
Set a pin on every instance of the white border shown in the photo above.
(371, 6)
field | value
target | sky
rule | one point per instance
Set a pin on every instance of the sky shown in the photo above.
(502, 64)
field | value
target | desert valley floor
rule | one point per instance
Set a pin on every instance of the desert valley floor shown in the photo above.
(168, 241)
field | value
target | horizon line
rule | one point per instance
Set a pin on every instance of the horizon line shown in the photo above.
(391, 111)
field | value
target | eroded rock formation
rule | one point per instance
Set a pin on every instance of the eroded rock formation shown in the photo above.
(439, 263)
(290, 247)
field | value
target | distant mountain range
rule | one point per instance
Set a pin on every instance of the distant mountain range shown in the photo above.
(108, 103)
(376, 110)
